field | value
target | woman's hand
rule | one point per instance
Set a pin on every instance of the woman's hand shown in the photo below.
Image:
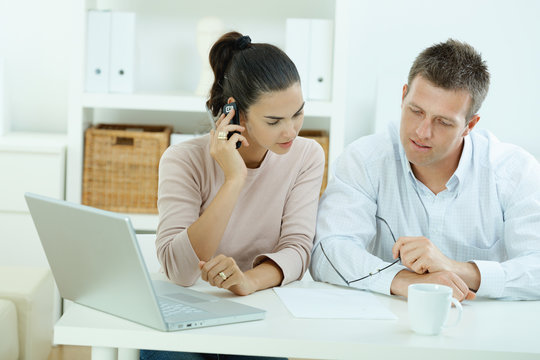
(223, 272)
(224, 151)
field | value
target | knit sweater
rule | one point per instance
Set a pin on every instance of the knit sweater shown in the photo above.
(274, 216)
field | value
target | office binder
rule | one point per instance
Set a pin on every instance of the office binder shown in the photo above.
(122, 52)
(297, 43)
(309, 44)
(320, 69)
(97, 50)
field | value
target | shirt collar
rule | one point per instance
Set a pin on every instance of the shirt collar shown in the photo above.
(405, 164)
(465, 163)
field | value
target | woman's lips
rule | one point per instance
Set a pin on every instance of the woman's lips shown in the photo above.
(286, 145)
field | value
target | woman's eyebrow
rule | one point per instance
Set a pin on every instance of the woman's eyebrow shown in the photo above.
(281, 117)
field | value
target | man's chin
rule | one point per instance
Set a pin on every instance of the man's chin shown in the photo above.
(415, 161)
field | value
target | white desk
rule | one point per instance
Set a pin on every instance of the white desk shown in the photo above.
(489, 330)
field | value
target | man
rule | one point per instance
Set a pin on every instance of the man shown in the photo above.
(434, 202)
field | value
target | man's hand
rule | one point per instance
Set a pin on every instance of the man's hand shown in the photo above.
(404, 278)
(420, 255)
(223, 272)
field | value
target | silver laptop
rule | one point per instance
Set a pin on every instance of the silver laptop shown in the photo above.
(96, 261)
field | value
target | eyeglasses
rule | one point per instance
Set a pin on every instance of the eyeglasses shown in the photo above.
(349, 282)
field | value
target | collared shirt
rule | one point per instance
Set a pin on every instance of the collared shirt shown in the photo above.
(488, 214)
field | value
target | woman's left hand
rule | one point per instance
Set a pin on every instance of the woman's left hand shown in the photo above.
(223, 272)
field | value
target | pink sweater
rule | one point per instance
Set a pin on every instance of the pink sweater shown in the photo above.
(274, 216)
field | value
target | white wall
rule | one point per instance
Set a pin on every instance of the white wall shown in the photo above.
(34, 43)
(387, 35)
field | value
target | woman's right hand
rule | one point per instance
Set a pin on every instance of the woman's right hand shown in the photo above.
(224, 151)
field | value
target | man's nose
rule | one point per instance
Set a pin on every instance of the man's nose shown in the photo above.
(424, 129)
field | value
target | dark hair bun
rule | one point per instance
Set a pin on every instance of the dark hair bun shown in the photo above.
(244, 70)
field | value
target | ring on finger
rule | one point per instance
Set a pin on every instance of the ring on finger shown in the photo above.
(222, 135)
(222, 275)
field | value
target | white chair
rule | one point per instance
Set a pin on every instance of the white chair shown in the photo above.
(30, 292)
(9, 340)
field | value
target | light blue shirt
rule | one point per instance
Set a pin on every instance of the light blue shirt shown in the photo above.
(488, 214)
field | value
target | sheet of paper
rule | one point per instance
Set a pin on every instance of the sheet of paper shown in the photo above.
(333, 304)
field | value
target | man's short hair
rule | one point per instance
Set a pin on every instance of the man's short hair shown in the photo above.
(454, 65)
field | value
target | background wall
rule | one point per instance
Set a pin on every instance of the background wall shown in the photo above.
(385, 37)
(34, 43)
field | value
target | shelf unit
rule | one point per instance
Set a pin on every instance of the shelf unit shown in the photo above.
(183, 103)
(165, 93)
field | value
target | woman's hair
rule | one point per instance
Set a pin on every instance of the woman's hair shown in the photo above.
(245, 70)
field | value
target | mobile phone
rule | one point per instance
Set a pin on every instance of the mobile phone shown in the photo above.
(235, 120)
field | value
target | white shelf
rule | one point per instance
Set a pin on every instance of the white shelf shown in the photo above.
(30, 142)
(184, 103)
(166, 42)
(144, 222)
(144, 102)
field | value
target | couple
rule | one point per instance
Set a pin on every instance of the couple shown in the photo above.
(430, 201)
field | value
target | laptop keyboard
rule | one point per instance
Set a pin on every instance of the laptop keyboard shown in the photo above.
(171, 309)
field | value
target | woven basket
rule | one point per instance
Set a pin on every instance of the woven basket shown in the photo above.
(121, 166)
(321, 137)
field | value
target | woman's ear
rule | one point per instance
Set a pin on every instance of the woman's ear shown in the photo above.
(242, 118)
(230, 100)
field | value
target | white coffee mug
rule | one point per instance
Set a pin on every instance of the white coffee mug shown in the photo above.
(428, 308)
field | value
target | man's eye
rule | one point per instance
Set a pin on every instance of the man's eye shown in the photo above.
(442, 122)
(273, 123)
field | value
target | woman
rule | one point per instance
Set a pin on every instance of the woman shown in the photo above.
(242, 219)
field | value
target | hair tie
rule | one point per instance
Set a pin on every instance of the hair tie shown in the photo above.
(242, 42)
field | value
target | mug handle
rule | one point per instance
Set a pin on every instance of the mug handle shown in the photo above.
(460, 308)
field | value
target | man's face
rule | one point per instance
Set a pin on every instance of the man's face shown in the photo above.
(433, 125)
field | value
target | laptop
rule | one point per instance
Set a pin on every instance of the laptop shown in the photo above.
(96, 261)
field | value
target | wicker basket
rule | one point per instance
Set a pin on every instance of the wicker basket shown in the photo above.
(321, 137)
(121, 166)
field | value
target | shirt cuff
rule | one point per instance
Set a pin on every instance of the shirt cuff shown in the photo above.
(492, 278)
(288, 262)
(382, 282)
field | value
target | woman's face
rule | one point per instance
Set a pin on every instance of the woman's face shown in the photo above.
(273, 122)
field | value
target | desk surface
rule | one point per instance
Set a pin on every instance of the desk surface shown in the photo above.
(489, 329)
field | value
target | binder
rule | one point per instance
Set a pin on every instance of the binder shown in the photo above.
(297, 43)
(122, 52)
(309, 44)
(320, 69)
(97, 50)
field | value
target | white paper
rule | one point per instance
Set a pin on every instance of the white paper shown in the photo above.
(333, 304)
